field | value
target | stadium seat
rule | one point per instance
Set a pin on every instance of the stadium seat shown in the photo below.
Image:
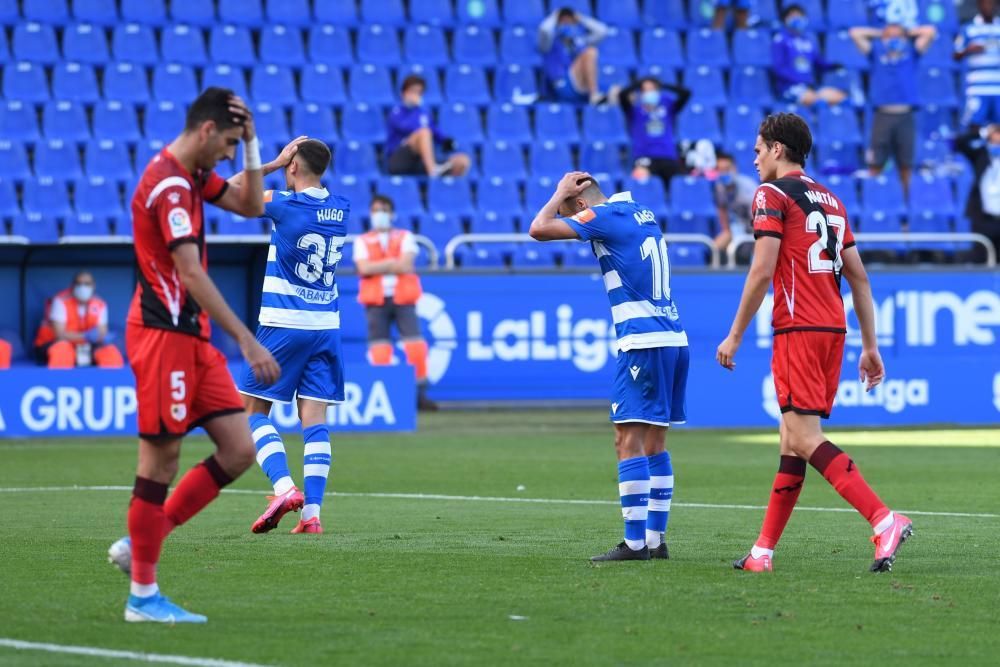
(193, 12)
(90, 222)
(75, 82)
(837, 157)
(942, 14)
(225, 76)
(838, 123)
(37, 227)
(883, 193)
(36, 43)
(707, 47)
(504, 160)
(467, 84)
(183, 44)
(282, 45)
(618, 48)
(97, 12)
(687, 254)
(475, 45)
(939, 53)
(579, 255)
(55, 12)
(493, 222)
(932, 194)
(557, 122)
(481, 256)
(274, 84)
(19, 122)
(814, 10)
(516, 83)
(323, 84)
(525, 13)
(145, 151)
(844, 15)
(425, 45)
(109, 159)
(232, 45)
(612, 75)
(317, 121)
(5, 56)
(549, 158)
(451, 196)
(126, 83)
(659, 46)
(65, 121)
(440, 227)
(518, 45)
(248, 13)
(500, 197)
(385, 12)
(533, 255)
(57, 159)
(270, 121)
(379, 45)
(432, 12)
(752, 47)
(10, 13)
(939, 85)
(432, 80)
(405, 194)
(842, 50)
(691, 195)
(25, 82)
(164, 121)
(622, 13)
(701, 13)
(85, 43)
(483, 12)
(147, 12)
(931, 152)
(174, 83)
(509, 122)
(10, 209)
(371, 84)
(664, 14)
(330, 44)
(604, 123)
(134, 44)
(537, 191)
(649, 192)
(357, 158)
(741, 124)
(601, 159)
(462, 122)
(13, 161)
(706, 85)
(297, 13)
(363, 122)
(750, 83)
(846, 188)
(356, 190)
(579, 6)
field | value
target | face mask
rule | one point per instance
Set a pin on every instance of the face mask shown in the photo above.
(83, 292)
(650, 97)
(895, 44)
(994, 150)
(725, 178)
(381, 220)
(566, 32)
(797, 23)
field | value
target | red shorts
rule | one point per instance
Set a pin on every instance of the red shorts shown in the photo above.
(181, 381)
(806, 368)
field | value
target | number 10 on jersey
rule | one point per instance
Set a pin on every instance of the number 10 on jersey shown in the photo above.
(656, 251)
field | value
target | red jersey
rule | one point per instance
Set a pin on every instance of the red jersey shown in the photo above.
(166, 212)
(812, 225)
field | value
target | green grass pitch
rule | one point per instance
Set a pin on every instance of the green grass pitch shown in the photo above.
(464, 581)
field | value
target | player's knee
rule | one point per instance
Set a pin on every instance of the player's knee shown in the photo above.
(460, 162)
(419, 136)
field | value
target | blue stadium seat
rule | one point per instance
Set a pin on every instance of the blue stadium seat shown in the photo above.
(126, 83)
(883, 193)
(462, 122)
(385, 12)
(356, 190)
(750, 83)
(741, 123)
(109, 159)
(314, 120)
(651, 193)
(274, 84)
(164, 121)
(37, 227)
(846, 188)
(557, 122)
(661, 47)
(602, 159)
(549, 158)
(147, 12)
(25, 82)
(378, 45)
(516, 83)
(814, 10)
(687, 254)
(75, 82)
(931, 152)
(13, 161)
(330, 45)
(467, 84)
(604, 123)
(145, 151)
(932, 194)
(10, 209)
(493, 222)
(288, 12)
(537, 191)
(482, 256)
(425, 45)
(533, 255)
(405, 194)
(752, 47)
(939, 53)
(526, 13)
(323, 84)
(35, 42)
(357, 158)
(247, 13)
(371, 84)
(282, 45)
(57, 159)
(612, 75)
(942, 14)
(432, 80)
(85, 43)
(622, 13)
(579, 6)
(432, 12)
(707, 47)
(664, 14)
(691, 195)
(174, 83)
(579, 255)
(19, 122)
(475, 45)
(509, 122)
(193, 12)
(939, 85)
(618, 48)
(845, 15)
(440, 228)
(504, 160)
(225, 76)
(270, 121)
(9, 12)
(232, 45)
(519, 45)
(98, 207)
(5, 56)
(98, 12)
(336, 13)
(452, 196)
(701, 13)
(65, 121)
(483, 12)
(183, 44)
(116, 121)
(706, 85)
(842, 51)
(500, 197)
(838, 123)
(55, 12)
(135, 44)
(837, 157)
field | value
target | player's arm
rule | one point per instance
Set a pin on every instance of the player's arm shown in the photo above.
(196, 281)
(280, 162)
(548, 225)
(765, 259)
(597, 30)
(923, 35)
(247, 197)
(963, 47)
(547, 31)
(870, 367)
(863, 37)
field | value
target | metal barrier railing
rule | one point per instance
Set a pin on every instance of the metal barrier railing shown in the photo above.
(898, 237)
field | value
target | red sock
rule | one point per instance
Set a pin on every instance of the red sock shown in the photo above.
(784, 495)
(199, 486)
(145, 528)
(838, 469)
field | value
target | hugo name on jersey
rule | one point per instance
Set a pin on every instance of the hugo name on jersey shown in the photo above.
(812, 224)
(309, 229)
(633, 256)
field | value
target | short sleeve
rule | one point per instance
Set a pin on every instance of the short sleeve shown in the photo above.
(768, 212)
(590, 224)
(849, 241)
(57, 311)
(960, 40)
(173, 210)
(213, 187)
(360, 249)
(409, 245)
(273, 199)
(102, 320)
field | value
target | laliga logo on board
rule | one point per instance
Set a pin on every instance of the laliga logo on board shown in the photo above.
(431, 309)
(894, 396)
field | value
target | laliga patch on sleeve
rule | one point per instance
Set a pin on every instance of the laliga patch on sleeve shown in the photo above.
(585, 216)
(180, 222)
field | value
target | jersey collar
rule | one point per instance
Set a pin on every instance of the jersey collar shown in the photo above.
(316, 193)
(620, 196)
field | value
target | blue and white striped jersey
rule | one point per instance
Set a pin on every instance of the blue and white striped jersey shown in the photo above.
(982, 70)
(308, 230)
(633, 256)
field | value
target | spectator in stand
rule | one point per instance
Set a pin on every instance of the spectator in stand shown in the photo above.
(568, 41)
(413, 137)
(651, 108)
(978, 44)
(74, 331)
(798, 61)
(982, 149)
(741, 10)
(894, 53)
(733, 194)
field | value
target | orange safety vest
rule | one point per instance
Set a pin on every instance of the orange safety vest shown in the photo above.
(74, 322)
(371, 292)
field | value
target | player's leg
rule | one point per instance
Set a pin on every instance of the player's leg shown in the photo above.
(583, 74)
(415, 348)
(459, 164)
(878, 151)
(674, 362)
(421, 142)
(270, 448)
(904, 141)
(379, 319)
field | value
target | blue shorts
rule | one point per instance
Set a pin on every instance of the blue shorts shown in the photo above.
(312, 366)
(564, 90)
(981, 110)
(650, 386)
(735, 4)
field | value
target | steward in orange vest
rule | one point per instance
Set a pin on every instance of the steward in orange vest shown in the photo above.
(74, 331)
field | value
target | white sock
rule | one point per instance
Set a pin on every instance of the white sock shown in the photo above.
(283, 486)
(310, 511)
(144, 590)
(653, 539)
(884, 524)
(635, 545)
(758, 552)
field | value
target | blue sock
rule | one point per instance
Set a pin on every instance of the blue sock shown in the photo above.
(661, 491)
(271, 453)
(633, 487)
(316, 468)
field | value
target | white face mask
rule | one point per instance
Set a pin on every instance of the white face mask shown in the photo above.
(83, 292)
(381, 220)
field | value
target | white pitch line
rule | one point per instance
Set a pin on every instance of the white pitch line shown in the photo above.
(95, 652)
(507, 499)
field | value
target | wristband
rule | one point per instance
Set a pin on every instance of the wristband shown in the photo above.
(251, 155)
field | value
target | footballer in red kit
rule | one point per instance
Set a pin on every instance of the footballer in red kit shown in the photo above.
(804, 246)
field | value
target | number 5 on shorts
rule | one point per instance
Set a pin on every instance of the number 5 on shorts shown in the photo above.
(178, 388)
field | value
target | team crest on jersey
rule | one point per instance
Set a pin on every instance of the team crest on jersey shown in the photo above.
(180, 222)
(585, 216)
(174, 197)
(178, 411)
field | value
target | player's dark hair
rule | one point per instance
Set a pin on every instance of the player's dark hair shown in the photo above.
(413, 80)
(212, 104)
(566, 13)
(789, 130)
(788, 9)
(315, 154)
(383, 199)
